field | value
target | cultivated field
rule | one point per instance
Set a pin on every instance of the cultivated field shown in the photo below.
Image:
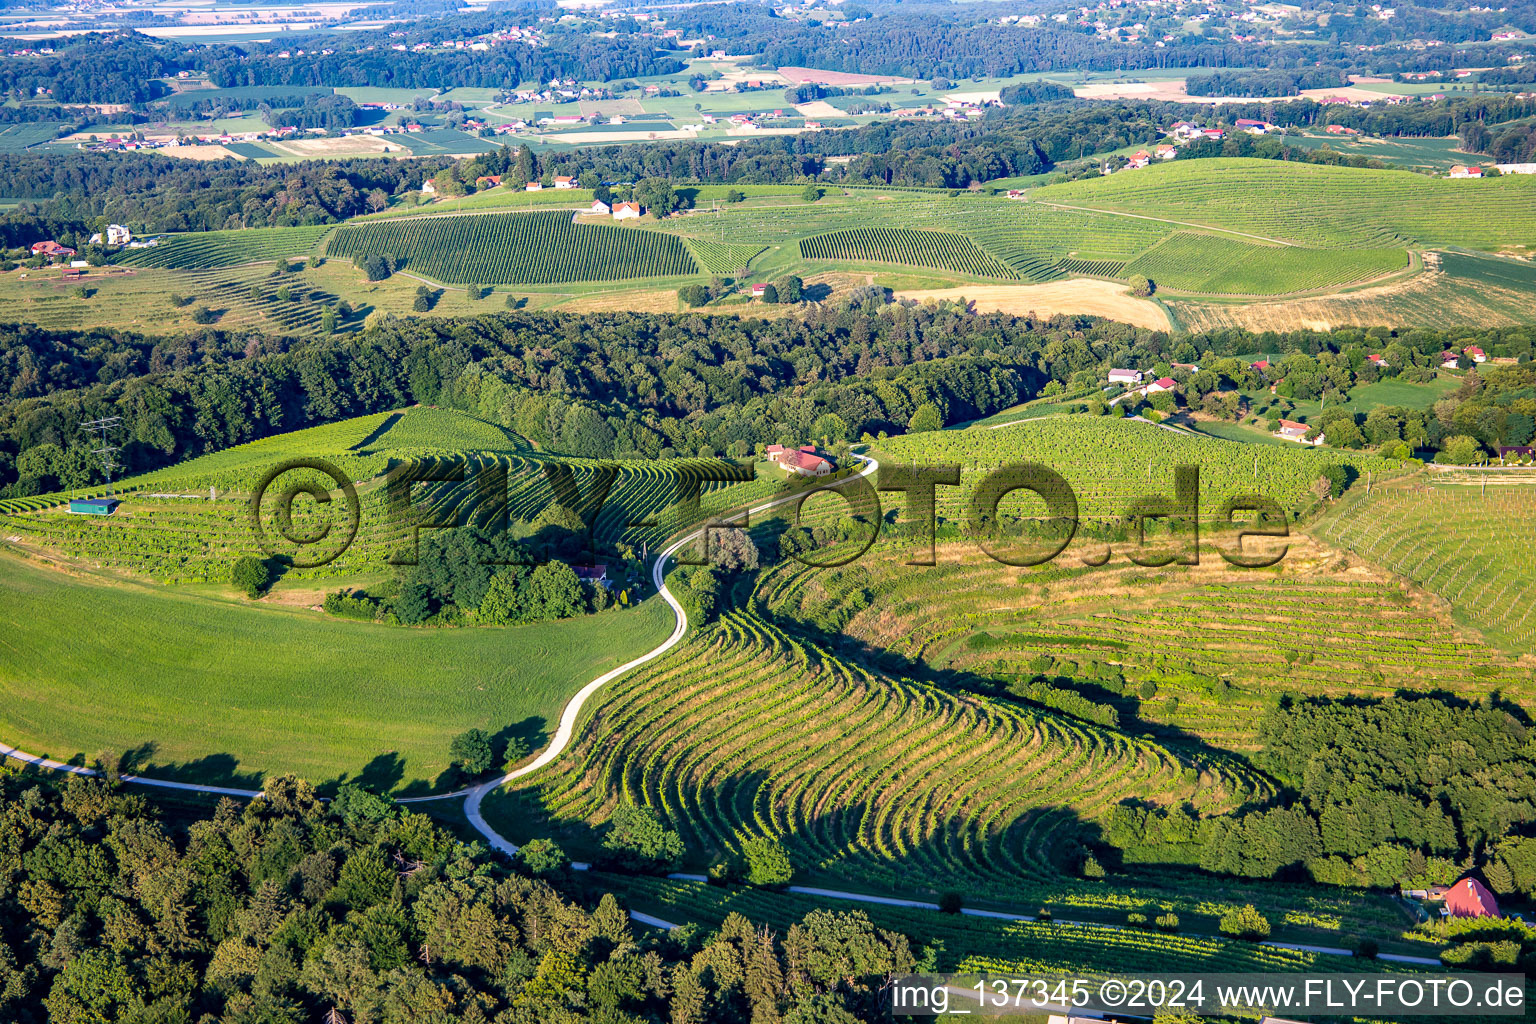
(1080, 296)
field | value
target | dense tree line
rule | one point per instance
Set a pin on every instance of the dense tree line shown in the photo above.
(1407, 790)
(286, 910)
(316, 111)
(112, 68)
(1264, 83)
(634, 385)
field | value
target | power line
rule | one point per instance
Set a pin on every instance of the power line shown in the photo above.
(107, 453)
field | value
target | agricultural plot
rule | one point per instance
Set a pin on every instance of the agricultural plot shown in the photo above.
(1210, 643)
(867, 777)
(1003, 947)
(1456, 289)
(1467, 542)
(209, 249)
(517, 248)
(443, 142)
(724, 257)
(250, 151)
(940, 250)
(17, 138)
(1319, 205)
(1110, 462)
(1216, 264)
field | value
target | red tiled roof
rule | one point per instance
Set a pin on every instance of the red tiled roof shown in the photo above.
(1471, 898)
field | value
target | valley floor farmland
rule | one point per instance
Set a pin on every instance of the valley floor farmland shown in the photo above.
(211, 690)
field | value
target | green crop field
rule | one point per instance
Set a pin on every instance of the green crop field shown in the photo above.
(17, 138)
(1216, 264)
(1317, 204)
(517, 248)
(211, 249)
(215, 691)
(1466, 541)
(941, 250)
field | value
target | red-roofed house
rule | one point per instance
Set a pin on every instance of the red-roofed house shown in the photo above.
(803, 460)
(488, 179)
(1376, 359)
(51, 248)
(561, 181)
(758, 290)
(1140, 158)
(1477, 355)
(626, 211)
(598, 206)
(1470, 898)
(1166, 152)
(1161, 384)
(1261, 365)
(1290, 430)
(1251, 126)
(1466, 172)
(1448, 360)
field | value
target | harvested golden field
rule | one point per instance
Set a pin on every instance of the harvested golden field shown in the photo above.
(1092, 298)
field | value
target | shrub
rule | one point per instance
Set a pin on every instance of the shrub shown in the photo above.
(735, 195)
(471, 751)
(951, 902)
(1245, 922)
(542, 857)
(1140, 286)
(811, 194)
(767, 862)
(693, 295)
(1168, 922)
(770, 294)
(517, 751)
(203, 315)
(1136, 920)
(641, 841)
(1367, 948)
(251, 575)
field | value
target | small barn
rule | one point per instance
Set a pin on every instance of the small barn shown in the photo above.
(93, 506)
(1470, 898)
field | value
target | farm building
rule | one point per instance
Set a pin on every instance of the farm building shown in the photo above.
(93, 506)
(804, 460)
(561, 181)
(626, 211)
(598, 206)
(534, 186)
(51, 248)
(1377, 360)
(488, 181)
(1516, 168)
(759, 290)
(1125, 376)
(1466, 172)
(1449, 360)
(1166, 152)
(1261, 366)
(1140, 158)
(428, 188)
(1523, 452)
(1475, 354)
(597, 575)
(1252, 127)
(1290, 430)
(1161, 384)
(1338, 129)
(1470, 898)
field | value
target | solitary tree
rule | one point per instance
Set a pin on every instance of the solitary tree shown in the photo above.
(250, 575)
(471, 751)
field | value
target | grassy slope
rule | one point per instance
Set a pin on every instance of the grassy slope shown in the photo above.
(221, 691)
(1318, 205)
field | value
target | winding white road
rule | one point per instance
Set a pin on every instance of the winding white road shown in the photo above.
(566, 731)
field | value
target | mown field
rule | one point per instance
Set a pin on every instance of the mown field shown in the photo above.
(213, 690)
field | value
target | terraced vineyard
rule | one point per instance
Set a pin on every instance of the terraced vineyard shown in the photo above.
(982, 944)
(1317, 204)
(1313, 621)
(169, 530)
(207, 249)
(942, 250)
(1471, 546)
(1092, 268)
(723, 257)
(1191, 262)
(1110, 462)
(861, 775)
(517, 248)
